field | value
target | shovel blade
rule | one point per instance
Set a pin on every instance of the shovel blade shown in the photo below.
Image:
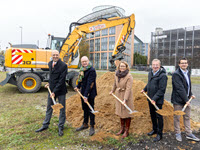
(132, 112)
(163, 113)
(56, 108)
(179, 112)
(94, 112)
(136, 113)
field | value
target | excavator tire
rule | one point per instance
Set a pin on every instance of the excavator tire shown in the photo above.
(29, 83)
(74, 81)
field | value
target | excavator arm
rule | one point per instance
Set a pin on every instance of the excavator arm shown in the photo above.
(71, 44)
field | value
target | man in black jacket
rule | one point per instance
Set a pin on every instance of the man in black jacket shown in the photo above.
(181, 94)
(87, 84)
(155, 88)
(58, 72)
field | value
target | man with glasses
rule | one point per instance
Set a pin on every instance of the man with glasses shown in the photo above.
(181, 94)
(87, 85)
(155, 88)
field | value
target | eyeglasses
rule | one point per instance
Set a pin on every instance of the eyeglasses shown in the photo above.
(155, 65)
(183, 63)
(122, 66)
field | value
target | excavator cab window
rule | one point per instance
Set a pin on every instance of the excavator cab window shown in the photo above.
(56, 43)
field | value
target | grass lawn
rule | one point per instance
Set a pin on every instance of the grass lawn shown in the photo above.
(21, 114)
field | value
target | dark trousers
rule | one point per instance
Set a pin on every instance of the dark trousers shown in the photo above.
(49, 111)
(87, 112)
(157, 120)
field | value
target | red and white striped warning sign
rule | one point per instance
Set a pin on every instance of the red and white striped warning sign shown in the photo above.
(17, 59)
(122, 40)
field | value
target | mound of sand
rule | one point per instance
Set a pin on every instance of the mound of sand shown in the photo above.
(106, 120)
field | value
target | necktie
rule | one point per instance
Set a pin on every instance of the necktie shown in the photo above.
(53, 64)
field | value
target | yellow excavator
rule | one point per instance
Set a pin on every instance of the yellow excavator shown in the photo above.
(28, 67)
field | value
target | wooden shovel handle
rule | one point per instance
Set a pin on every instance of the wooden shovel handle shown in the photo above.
(122, 102)
(186, 104)
(86, 102)
(150, 100)
(51, 96)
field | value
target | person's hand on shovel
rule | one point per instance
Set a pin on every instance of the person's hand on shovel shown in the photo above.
(124, 102)
(46, 85)
(85, 99)
(110, 92)
(76, 89)
(188, 102)
(142, 91)
(52, 94)
(153, 102)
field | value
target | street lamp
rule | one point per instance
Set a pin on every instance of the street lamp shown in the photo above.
(21, 33)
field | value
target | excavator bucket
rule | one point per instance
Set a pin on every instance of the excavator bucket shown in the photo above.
(9, 79)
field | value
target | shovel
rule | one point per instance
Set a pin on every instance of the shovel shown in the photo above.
(159, 111)
(181, 112)
(92, 110)
(57, 106)
(131, 112)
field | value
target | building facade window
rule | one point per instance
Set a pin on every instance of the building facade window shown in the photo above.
(91, 35)
(104, 32)
(97, 44)
(128, 48)
(91, 58)
(176, 43)
(91, 45)
(97, 60)
(87, 36)
(103, 60)
(104, 44)
(110, 56)
(111, 43)
(97, 34)
(111, 30)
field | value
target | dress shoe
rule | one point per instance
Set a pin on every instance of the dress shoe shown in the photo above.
(41, 129)
(151, 133)
(83, 127)
(157, 138)
(91, 133)
(60, 132)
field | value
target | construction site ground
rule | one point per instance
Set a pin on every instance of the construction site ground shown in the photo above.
(21, 114)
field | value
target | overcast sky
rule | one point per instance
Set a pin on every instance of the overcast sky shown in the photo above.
(38, 18)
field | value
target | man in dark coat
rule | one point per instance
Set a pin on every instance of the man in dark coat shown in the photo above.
(58, 72)
(155, 88)
(87, 84)
(181, 94)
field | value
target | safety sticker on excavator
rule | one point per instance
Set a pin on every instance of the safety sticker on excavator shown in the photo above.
(97, 27)
(17, 59)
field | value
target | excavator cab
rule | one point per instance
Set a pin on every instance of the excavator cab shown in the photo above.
(56, 42)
